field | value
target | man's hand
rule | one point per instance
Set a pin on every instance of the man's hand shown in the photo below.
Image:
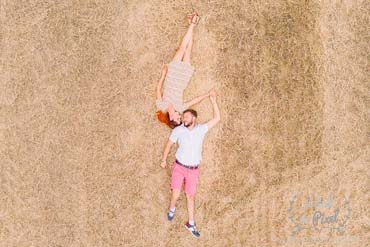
(165, 153)
(163, 164)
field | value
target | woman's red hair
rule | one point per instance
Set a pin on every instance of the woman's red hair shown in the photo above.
(165, 118)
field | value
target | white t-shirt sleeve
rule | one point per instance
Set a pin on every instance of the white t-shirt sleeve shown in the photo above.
(174, 135)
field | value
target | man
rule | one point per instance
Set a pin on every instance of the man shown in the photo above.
(190, 137)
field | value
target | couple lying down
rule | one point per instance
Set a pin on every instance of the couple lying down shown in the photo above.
(186, 131)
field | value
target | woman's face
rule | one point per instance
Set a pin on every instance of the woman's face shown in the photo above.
(176, 116)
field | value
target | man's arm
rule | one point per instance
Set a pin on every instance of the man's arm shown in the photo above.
(165, 153)
(216, 112)
(160, 82)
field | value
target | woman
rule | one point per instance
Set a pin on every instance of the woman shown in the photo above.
(176, 76)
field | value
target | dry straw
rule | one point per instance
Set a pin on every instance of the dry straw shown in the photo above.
(81, 147)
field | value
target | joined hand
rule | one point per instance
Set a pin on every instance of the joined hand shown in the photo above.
(163, 164)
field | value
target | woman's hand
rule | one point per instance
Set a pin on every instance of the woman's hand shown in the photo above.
(212, 93)
(160, 82)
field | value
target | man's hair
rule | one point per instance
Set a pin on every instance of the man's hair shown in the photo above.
(193, 112)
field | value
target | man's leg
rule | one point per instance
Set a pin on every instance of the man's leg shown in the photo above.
(175, 196)
(191, 203)
(177, 179)
(191, 180)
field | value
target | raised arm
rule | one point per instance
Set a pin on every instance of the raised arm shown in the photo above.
(216, 112)
(165, 153)
(196, 100)
(160, 82)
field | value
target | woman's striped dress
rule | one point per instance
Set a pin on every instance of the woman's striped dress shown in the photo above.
(177, 79)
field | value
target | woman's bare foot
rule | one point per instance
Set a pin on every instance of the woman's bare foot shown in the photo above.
(190, 17)
(193, 18)
(196, 18)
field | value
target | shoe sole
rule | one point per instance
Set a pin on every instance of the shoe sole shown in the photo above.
(191, 232)
(170, 219)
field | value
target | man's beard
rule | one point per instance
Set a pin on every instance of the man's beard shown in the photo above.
(187, 125)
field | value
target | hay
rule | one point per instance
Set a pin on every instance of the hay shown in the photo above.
(80, 145)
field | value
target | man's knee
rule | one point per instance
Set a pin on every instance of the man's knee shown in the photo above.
(176, 193)
(190, 197)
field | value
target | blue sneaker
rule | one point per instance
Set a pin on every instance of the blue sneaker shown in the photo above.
(192, 229)
(170, 215)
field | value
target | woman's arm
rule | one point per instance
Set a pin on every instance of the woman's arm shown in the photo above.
(198, 99)
(160, 82)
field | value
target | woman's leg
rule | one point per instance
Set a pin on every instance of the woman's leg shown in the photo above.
(188, 37)
(187, 53)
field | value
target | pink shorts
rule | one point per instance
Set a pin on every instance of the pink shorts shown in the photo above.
(179, 173)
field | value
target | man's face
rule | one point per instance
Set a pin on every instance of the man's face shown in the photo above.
(189, 119)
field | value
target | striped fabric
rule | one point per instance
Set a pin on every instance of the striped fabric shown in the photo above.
(177, 78)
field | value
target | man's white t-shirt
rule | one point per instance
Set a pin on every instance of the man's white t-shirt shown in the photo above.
(190, 143)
